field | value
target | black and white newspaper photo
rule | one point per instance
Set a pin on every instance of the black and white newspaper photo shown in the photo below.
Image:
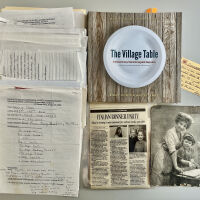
(175, 146)
(119, 140)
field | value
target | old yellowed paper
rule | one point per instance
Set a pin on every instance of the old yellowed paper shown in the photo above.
(190, 76)
(175, 158)
(119, 140)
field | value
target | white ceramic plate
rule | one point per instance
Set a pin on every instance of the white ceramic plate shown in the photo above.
(134, 56)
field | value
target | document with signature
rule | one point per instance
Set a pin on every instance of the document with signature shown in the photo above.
(40, 140)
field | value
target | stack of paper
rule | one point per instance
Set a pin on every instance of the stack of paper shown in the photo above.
(42, 44)
(43, 100)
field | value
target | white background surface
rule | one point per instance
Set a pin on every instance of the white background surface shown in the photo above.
(190, 50)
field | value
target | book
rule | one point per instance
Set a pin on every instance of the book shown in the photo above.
(102, 88)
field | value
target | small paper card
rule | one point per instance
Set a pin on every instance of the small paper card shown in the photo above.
(190, 76)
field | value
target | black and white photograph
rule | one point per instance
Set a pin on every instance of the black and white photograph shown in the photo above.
(118, 131)
(175, 145)
(137, 138)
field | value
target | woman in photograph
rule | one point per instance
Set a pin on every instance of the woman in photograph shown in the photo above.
(166, 158)
(118, 132)
(141, 145)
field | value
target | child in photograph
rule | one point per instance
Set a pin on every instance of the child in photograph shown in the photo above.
(166, 157)
(185, 155)
(140, 145)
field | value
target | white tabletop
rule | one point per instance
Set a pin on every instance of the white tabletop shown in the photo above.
(190, 50)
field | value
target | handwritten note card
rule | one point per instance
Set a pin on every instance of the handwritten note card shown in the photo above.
(190, 76)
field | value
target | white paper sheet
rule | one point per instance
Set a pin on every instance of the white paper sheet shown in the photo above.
(60, 17)
(33, 64)
(65, 40)
(40, 141)
(80, 18)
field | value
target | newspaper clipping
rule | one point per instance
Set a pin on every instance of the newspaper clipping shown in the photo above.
(119, 139)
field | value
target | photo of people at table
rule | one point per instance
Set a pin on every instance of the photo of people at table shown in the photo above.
(137, 138)
(175, 146)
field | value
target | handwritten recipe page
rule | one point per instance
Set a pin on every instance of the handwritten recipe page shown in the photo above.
(40, 141)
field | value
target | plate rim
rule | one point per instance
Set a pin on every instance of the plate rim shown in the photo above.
(155, 76)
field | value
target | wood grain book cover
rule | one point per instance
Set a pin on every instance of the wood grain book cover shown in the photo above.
(166, 88)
